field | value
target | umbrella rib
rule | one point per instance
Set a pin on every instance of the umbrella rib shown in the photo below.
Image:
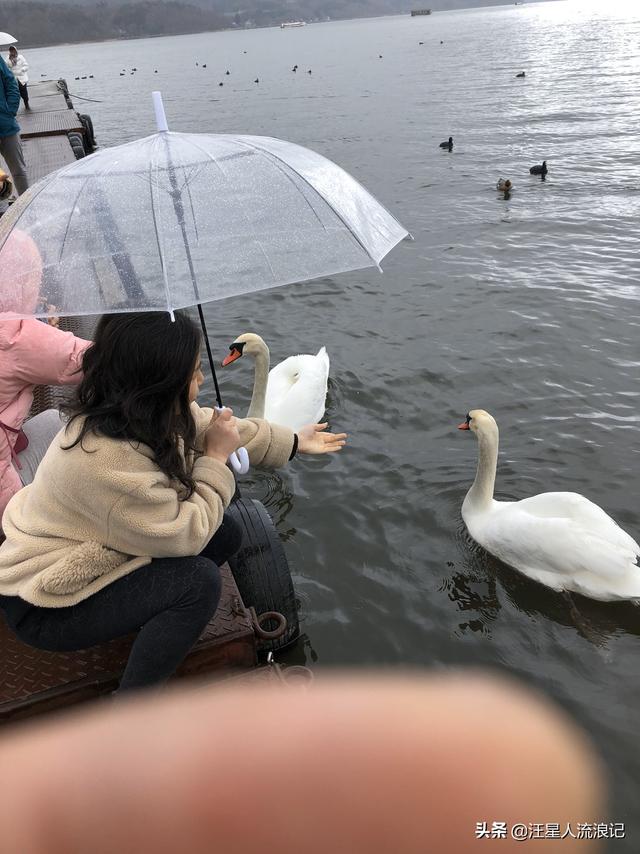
(68, 226)
(302, 178)
(207, 154)
(187, 182)
(34, 194)
(255, 149)
(260, 247)
(159, 239)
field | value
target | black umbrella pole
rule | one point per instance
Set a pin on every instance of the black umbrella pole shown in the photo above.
(210, 355)
(237, 494)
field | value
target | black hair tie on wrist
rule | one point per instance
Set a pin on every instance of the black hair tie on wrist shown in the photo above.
(295, 446)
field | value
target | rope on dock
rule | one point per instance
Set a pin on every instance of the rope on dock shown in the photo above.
(80, 98)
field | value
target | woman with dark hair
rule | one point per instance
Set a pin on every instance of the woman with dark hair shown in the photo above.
(123, 528)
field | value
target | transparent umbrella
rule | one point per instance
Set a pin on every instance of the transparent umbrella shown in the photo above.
(176, 220)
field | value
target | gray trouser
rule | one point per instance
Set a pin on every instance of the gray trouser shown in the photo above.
(11, 150)
(40, 431)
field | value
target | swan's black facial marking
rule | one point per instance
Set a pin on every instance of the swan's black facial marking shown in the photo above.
(235, 351)
(465, 423)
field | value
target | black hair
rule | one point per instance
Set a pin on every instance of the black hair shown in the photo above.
(136, 387)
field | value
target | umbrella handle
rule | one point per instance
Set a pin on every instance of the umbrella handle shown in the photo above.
(238, 460)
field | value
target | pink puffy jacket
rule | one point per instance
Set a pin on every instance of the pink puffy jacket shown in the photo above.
(31, 352)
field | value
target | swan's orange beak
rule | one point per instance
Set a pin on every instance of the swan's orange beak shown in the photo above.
(463, 426)
(233, 355)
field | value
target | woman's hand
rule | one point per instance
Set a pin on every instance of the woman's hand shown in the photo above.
(311, 440)
(222, 437)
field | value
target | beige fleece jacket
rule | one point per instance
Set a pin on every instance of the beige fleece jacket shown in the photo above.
(93, 515)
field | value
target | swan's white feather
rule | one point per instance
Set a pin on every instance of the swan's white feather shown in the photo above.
(297, 390)
(562, 540)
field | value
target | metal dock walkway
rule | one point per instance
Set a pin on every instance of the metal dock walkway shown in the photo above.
(45, 129)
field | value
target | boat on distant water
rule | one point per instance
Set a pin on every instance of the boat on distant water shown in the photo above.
(415, 12)
(287, 24)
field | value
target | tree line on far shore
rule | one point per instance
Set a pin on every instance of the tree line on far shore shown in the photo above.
(35, 24)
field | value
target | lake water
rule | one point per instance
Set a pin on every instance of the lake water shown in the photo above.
(528, 308)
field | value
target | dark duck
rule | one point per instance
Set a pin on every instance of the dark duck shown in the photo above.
(539, 169)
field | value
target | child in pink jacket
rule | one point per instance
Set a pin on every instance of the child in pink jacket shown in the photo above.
(31, 353)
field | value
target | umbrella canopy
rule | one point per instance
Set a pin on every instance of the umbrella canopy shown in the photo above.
(177, 219)
(5, 38)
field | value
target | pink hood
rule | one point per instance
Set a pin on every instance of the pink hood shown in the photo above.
(31, 352)
(20, 274)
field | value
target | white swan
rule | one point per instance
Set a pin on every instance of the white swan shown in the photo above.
(293, 393)
(560, 539)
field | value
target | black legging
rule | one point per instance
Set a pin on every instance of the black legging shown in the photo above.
(24, 93)
(168, 602)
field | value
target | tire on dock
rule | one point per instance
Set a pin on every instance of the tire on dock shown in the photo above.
(77, 144)
(261, 571)
(89, 135)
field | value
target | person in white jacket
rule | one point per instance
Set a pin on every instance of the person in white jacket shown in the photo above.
(19, 66)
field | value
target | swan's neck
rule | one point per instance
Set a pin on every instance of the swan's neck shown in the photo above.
(480, 495)
(259, 395)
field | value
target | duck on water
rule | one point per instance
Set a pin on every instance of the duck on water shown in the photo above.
(539, 169)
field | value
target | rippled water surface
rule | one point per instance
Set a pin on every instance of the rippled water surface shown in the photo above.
(527, 307)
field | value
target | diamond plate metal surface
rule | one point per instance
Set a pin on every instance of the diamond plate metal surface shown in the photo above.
(30, 678)
(46, 154)
(45, 87)
(44, 124)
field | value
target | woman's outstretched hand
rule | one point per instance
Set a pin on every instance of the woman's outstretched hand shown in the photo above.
(311, 440)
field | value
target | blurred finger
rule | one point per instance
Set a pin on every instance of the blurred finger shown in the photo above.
(408, 764)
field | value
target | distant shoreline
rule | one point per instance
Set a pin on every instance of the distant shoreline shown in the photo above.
(33, 45)
(36, 45)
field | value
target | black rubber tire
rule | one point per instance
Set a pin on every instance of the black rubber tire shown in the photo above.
(261, 571)
(62, 86)
(89, 134)
(77, 144)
